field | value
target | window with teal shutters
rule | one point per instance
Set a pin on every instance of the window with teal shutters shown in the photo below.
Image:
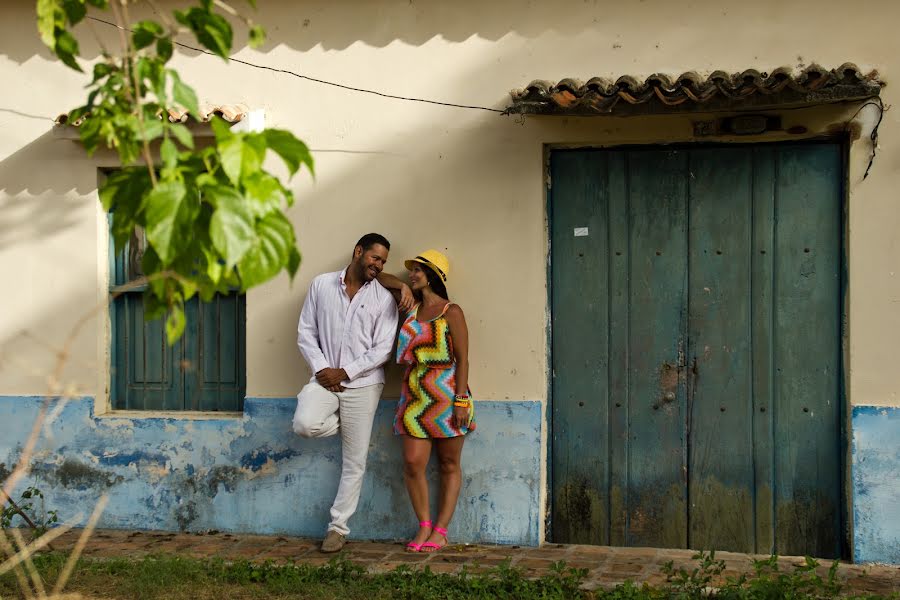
(203, 371)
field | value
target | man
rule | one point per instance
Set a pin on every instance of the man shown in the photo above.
(346, 332)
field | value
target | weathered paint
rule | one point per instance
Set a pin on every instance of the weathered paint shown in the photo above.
(253, 474)
(696, 337)
(876, 490)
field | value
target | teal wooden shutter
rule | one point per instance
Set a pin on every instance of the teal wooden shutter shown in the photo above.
(204, 370)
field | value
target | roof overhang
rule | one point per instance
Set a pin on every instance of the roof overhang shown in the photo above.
(690, 92)
(241, 117)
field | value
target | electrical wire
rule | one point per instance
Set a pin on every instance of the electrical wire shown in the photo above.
(316, 80)
(877, 101)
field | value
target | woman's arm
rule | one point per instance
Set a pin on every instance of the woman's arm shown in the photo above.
(460, 334)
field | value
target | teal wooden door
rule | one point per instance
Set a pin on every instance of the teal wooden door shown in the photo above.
(696, 334)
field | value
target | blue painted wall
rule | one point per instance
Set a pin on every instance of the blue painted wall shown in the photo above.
(875, 470)
(253, 474)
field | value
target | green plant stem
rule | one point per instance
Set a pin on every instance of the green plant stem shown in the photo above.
(23, 514)
(18, 510)
(122, 19)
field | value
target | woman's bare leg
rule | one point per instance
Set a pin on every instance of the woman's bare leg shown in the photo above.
(416, 452)
(449, 451)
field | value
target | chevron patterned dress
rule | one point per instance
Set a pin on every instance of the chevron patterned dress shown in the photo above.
(426, 399)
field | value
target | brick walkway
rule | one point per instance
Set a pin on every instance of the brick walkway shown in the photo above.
(607, 566)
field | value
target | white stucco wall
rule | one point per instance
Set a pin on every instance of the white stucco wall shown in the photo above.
(467, 182)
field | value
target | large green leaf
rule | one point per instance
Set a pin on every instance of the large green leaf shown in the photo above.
(75, 10)
(264, 192)
(145, 33)
(182, 134)
(175, 323)
(150, 130)
(168, 153)
(241, 155)
(184, 94)
(293, 261)
(271, 252)
(231, 155)
(216, 34)
(291, 150)
(152, 69)
(214, 267)
(221, 129)
(48, 15)
(162, 210)
(212, 30)
(164, 48)
(67, 49)
(122, 194)
(89, 132)
(102, 70)
(231, 226)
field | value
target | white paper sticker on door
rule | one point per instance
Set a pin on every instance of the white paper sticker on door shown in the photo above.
(581, 231)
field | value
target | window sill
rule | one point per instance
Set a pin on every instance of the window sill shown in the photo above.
(179, 415)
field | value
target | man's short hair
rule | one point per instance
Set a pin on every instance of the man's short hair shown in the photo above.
(370, 239)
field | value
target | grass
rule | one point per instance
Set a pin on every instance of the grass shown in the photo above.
(176, 578)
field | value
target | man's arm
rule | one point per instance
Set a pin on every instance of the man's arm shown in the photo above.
(380, 352)
(400, 290)
(308, 332)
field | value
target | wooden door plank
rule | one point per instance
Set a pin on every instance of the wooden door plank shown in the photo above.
(579, 197)
(761, 334)
(209, 354)
(807, 358)
(719, 411)
(657, 196)
(619, 367)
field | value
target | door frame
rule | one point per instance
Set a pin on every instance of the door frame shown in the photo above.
(844, 408)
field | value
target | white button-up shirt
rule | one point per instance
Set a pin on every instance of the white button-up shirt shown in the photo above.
(355, 335)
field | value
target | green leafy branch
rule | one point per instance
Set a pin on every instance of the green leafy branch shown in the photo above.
(211, 215)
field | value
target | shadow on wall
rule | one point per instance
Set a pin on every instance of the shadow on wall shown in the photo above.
(442, 181)
(48, 164)
(337, 25)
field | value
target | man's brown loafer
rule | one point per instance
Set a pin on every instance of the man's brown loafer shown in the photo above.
(333, 541)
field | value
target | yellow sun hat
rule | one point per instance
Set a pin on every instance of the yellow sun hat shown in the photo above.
(434, 259)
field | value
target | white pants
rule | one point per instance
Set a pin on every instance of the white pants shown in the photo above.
(321, 413)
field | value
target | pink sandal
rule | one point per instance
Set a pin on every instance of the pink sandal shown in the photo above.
(435, 547)
(414, 547)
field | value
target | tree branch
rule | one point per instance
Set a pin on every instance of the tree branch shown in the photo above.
(136, 95)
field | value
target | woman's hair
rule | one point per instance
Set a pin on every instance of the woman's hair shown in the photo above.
(435, 281)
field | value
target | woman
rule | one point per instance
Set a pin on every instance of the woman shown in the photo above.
(435, 407)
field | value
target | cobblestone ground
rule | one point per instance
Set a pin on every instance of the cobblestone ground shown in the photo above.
(606, 566)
